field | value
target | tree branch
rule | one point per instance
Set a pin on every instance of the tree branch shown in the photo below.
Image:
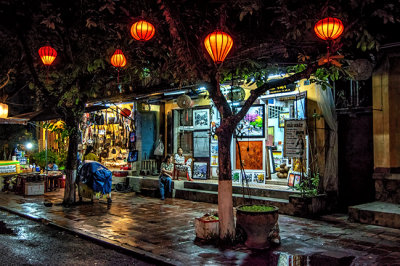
(273, 84)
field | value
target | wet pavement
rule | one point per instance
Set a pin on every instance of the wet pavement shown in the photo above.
(165, 229)
(25, 242)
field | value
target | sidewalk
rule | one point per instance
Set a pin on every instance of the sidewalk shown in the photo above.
(164, 230)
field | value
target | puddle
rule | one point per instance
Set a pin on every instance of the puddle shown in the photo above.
(5, 230)
(274, 258)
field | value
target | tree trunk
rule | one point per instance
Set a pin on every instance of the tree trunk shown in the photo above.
(71, 165)
(225, 203)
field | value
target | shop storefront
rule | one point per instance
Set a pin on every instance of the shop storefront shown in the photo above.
(271, 144)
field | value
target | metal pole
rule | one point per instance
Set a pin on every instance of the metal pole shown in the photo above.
(46, 137)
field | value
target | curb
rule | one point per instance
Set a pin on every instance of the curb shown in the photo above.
(137, 253)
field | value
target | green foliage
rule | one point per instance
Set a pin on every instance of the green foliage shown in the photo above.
(309, 186)
(39, 158)
(257, 208)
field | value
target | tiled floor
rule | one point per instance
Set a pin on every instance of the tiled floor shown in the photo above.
(165, 228)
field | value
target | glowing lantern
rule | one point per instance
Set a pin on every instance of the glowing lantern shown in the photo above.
(3, 110)
(329, 28)
(47, 54)
(218, 45)
(118, 59)
(142, 30)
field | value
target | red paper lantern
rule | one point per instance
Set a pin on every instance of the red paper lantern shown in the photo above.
(47, 54)
(329, 28)
(118, 59)
(218, 45)
(125, 112)
(142, 30)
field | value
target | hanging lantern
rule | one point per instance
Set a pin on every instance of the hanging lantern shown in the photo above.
(118, 59)
(3, 110)
(218, 45)
(47, 54)
(329, 28)
(142, 30)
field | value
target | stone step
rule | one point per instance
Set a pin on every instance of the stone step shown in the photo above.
(212, 197)
(276, 182)
(376, 213)
(279, 192)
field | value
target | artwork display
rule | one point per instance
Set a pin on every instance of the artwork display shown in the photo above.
(282, 117)
(270, 136)
(297, 179)
(248, 178)
(214, 160)
(251, 153)
(271, 160)
(291, 180)
(200, 170)
(214, 171)
(214, 126)
(214, 148)
(236, 177)
(201, 119)
(252, 125)
(259, 177)
(201, 144)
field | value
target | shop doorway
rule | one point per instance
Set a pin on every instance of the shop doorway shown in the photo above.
(148, 134)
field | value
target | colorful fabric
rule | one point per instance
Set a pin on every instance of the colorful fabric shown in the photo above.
(168, 167)
(91, 157)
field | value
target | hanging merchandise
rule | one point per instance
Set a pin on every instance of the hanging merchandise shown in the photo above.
(133, 156)
(159, 151)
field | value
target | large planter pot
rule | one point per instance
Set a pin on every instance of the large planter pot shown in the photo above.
(206, 228)
(308, 206)
(257, 225)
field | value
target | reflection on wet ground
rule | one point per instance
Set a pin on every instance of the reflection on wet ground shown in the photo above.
(166, 229)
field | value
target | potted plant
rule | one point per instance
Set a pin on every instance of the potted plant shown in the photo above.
(309, 202)
(257, 222)
(207, 227)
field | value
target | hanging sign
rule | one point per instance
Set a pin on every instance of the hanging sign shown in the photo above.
(295, 139)
(281, 89)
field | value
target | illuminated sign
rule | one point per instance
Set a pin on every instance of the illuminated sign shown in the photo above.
(282, 89)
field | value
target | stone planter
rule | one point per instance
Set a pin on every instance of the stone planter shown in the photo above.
(257, 225)
(308, 205)
(206, 228)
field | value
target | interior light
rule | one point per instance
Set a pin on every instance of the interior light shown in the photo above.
(29, 146)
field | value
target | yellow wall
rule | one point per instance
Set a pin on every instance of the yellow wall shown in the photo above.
(386, 114)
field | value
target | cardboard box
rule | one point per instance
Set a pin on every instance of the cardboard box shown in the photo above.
(34, 188)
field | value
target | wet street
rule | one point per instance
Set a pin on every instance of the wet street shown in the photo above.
(165, 230)
(25, 242)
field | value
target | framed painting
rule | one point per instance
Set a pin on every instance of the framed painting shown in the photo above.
(282, 117)
(297, 180)
(200, 170)
(201, 119)
(215, 172)
(253, 123)
(236, 177)
(214, 160)
(251, 153)
(259, 177)
(248, 178)
(291, 180)
(201, 144)
(271, 160)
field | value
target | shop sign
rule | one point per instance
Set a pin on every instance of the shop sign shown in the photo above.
(295, 139)
(282, 89)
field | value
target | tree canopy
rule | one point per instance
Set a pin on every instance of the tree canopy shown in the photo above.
(268, 36)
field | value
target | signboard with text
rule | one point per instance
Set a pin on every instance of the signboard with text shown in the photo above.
(295, 139)
(281, 89)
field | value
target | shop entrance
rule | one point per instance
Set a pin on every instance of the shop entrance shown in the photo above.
(289, 106)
